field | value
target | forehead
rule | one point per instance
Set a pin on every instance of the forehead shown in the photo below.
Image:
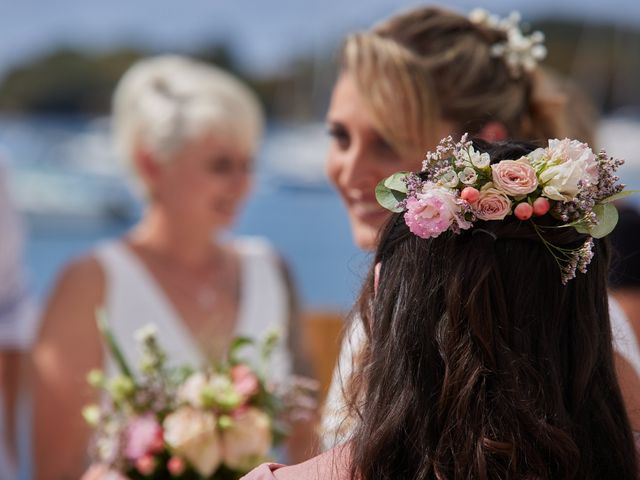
(347, 102)
(214, 143)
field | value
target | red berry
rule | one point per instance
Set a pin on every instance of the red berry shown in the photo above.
(541, 206)
(523, 211)
(470, 194)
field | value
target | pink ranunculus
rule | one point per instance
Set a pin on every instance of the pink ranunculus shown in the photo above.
(433, 211)
(514, 177)
(244, 380)
(566, 163)
(142, 436)
(493, 204)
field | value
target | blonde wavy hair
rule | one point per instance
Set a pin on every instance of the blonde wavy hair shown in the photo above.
(430, 64)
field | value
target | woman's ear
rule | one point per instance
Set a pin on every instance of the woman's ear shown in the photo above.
(493, 132)
(146, 165)
(376, 277)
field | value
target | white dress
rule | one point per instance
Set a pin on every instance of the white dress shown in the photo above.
(135, 299)
(336, 428)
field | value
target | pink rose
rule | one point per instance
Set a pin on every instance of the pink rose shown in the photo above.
(493, 204)
(142, 436)
(514, 177)
(433, 211)
(244, 380)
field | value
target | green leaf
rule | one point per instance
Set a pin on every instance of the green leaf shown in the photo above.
(237, 344)
(618, 196)
(607, 215)
(397, 182)
(389, 198)
(112, 345)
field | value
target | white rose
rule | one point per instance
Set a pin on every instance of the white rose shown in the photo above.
(566, 163)
(192, 389)
(247, 442)
(479, 160)
(192, 434)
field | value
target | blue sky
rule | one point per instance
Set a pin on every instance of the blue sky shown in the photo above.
(265, 33)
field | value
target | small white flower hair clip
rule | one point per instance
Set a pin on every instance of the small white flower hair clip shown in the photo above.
(520, 52)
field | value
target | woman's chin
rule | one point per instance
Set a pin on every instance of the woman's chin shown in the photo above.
(366, 231)
(365, 236)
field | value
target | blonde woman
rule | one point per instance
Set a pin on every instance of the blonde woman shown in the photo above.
(190, 133)
(403, 85)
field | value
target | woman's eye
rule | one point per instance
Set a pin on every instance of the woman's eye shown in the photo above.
(220, 165)
(228, 165)
(383, 146)
(339, 135)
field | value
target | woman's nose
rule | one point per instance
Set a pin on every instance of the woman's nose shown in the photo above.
(358, 168)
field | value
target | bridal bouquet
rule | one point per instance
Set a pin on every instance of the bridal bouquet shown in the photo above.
(215, 423)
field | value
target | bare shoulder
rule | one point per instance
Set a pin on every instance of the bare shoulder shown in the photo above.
(331, 465)
(68, 318)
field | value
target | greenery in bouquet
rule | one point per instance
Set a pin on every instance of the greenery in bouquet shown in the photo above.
(165, 422)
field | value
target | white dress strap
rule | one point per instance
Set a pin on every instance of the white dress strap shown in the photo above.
(265, 299)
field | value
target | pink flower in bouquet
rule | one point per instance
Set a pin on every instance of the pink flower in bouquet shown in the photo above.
(514, 177)
(192, 434)
(493, 204)
(432, 212)
(244, 380)
(247, 441)
(143, 435)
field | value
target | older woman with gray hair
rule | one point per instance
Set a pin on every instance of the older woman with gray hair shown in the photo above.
(189, 133)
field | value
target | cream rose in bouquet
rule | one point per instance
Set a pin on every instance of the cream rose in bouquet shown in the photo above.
(181, 423)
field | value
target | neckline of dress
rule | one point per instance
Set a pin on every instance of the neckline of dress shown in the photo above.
(157, 291)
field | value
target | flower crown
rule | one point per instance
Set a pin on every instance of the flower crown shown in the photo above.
(520, 52)
(459, 186)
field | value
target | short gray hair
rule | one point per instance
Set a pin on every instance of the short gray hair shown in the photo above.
(165, 102)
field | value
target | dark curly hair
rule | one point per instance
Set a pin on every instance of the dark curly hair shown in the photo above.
(480, 364)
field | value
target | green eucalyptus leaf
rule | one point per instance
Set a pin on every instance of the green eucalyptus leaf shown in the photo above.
(618, 196)
(607, 215)
(397, 182)
(580, 227)
(389, 198)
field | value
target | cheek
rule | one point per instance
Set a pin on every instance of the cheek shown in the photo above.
(333, 166)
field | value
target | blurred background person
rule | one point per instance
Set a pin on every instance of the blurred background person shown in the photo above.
(410, 81)
(624, 284)
(17, 324)
(190, 133)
